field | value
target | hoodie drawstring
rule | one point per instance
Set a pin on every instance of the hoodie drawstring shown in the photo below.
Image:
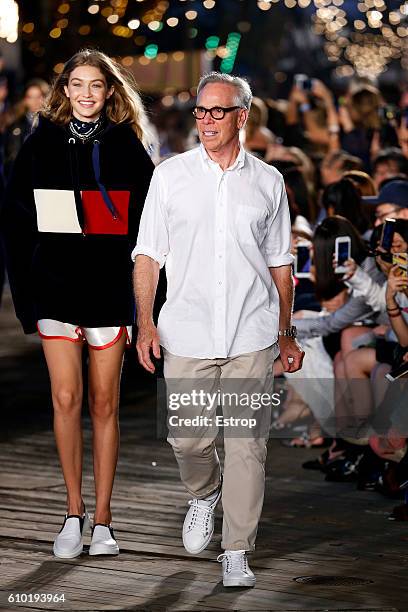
(97, 173)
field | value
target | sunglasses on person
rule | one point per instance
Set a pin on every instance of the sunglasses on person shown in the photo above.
(216, 112)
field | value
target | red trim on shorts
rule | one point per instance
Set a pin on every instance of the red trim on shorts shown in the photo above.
(44, 337)
(128, 340)
(114, 341)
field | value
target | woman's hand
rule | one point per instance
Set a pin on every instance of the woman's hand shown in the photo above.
(298, 95)
(321, 91)
(395, 283)
(351, 267)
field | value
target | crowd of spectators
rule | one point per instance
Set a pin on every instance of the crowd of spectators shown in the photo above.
(345, 164)
(344, 159)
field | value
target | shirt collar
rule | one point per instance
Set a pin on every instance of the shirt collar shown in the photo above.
(237, 165)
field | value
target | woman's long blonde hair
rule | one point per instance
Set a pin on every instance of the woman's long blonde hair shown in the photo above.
(123, 106)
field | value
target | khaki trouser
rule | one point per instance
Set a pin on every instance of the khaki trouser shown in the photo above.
(244, 464)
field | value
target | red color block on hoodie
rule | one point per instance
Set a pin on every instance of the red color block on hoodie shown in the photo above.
(98, 219)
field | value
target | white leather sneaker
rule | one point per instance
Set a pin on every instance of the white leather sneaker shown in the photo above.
(68, 543)
(103, 541)
(235, 569)
(198, 527)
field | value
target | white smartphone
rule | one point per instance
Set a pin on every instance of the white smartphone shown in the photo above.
(302, 259)
(342, 253)
(402, 370)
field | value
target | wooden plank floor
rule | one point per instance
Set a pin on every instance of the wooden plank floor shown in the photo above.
(308, 527)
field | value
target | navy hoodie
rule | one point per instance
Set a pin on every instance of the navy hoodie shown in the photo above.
(70, 221)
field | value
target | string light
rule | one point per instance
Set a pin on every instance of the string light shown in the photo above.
(9, 20)
(191, 15)
(55, 33)
(133, 24)
(151, 51)
(28, 28)
(64, 8)
(365, 39)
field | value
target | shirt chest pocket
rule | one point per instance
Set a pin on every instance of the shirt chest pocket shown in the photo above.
(250, 224)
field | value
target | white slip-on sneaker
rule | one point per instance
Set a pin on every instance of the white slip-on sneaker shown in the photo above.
(103, 541)
(235, 569)
(68, 543)
(198, 527)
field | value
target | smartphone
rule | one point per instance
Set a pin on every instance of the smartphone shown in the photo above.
(302, 260)
(389, 112)
(401, 260)
(303, 82)
(402, 370)
(387, 234)
(342, 252)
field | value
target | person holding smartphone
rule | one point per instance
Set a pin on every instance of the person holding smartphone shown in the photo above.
(71, 215)
(397, 283)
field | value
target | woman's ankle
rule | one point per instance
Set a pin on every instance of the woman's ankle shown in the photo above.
(76, 507)
(102, 517)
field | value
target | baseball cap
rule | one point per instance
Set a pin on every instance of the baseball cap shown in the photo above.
(394, 192)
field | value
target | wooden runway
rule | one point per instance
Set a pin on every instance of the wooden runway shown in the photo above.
(309, 528)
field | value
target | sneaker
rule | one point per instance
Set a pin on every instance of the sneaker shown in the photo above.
(235, 569)
(68, 543)
(103, 541)
(198, 525)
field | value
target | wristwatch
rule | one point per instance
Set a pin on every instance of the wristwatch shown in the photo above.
(290, 332)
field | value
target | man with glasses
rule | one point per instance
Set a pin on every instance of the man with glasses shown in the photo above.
(391, 202)
(219, 219)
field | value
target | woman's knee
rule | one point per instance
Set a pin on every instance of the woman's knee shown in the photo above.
(359, 362)
(103, 405)
(67, 401)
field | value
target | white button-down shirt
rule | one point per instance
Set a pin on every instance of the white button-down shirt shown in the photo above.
(217, 232)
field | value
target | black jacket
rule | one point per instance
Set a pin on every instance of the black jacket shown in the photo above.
(69, 232)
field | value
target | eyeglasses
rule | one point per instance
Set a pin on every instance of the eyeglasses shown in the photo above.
(216, 112)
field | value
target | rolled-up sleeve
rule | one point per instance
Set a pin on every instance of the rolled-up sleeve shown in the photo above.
(153, 236)
(277, 243)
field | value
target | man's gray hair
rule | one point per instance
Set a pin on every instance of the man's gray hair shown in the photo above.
(243, 95)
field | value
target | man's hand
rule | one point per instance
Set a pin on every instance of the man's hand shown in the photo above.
(291, 354)
(147, 339)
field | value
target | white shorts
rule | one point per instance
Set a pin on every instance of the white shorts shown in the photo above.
(97, 337)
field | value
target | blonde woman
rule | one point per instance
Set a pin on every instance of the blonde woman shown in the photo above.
(72, 215)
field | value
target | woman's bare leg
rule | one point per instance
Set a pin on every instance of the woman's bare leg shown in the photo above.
(348, 335)
(64, 361)
(358, 366)
(105, 368)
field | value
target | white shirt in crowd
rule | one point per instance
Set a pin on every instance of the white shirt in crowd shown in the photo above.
(217, 232)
